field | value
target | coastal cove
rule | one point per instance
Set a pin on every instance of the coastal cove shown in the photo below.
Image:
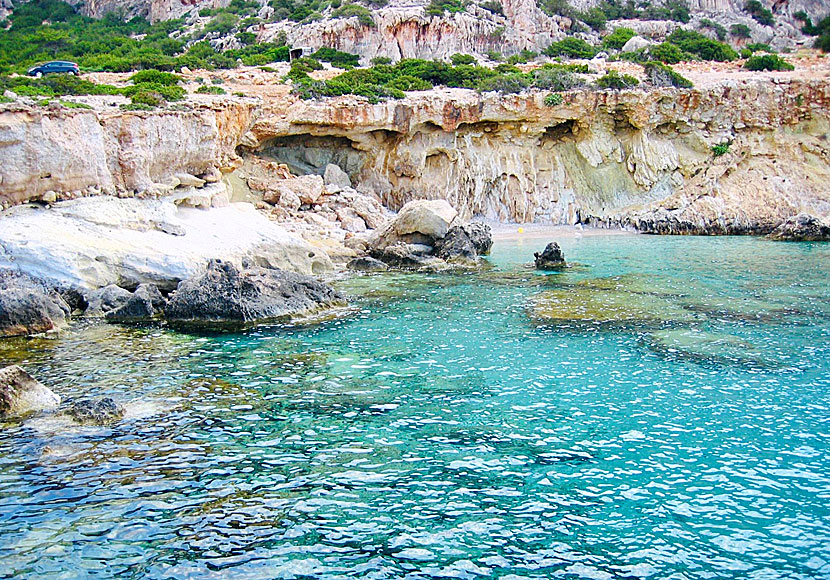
(453, 425)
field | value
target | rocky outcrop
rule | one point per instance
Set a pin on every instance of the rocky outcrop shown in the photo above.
(551, 258)
(146, 303)
(29, 307)
(803, 227)
(20, 394)
(426, 235)
(95, 242)
(228, 296)
(67, 153)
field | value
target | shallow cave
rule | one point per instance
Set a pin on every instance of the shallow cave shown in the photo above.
(308, 154)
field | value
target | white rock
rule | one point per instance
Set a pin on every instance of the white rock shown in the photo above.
(335, 178)
(431, 218)
(635, 43)
(93, 242)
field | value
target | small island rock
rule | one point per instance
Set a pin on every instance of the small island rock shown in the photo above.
(20, 394)
(551, 258)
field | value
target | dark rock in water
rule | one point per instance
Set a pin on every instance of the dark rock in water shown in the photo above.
(106, 299)
(551, 258)
(20, 394)
(225, 295)
(456, 244)
(367, 264)
(145, 304)
(27, 306)
(481, 236)
(802, 227)
(399, 255)
(100, 412)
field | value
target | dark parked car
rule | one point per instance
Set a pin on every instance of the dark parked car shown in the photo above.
(56, 66)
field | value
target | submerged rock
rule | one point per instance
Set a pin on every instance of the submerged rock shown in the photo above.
(802, 227)
(20, 394)
(29, 307)
(226, 295)
(551, 258)
(96, 412)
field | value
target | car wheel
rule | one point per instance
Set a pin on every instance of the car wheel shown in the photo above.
(38, 74)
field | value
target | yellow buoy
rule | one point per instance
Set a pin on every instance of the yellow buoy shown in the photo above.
(521, 230)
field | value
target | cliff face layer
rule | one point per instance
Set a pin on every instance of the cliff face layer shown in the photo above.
(641, 158)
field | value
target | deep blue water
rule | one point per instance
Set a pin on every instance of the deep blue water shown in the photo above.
(677, 426)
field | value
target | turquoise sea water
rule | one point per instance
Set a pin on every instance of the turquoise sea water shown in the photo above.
(448, 429)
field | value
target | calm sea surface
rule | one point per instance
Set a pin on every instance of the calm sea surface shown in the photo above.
(661, 409)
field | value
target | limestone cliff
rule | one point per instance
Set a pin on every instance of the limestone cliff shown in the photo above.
(603, 156)
(637, 157)
(73, 152)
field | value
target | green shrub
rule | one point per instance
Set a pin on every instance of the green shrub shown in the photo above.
(721, 148)
(508, 83)
(767, 62)
(363, 14)
(166, 92)
(553, 100)
(668, 53)
(337, 58)
(740, 31)
(555, 79)
(522, 57)
(438, 7)
(759, 12)
(746, 53)
(222, 23)
(155, 76)
(494, 55)
(593, 17)
(618, 38)
(572, 47)
(718, 29)
(662, 75)
(614, 80)
(409, 83)
(73, 105)
(459, 59)
(760, 47)
(148, 98)
(381, 60)
(246, 38)
(211, 90)
(493, 6)
(701, 46)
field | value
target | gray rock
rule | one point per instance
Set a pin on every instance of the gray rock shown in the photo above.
(367, 264)
(96, 412)
(227, 296)
(20, 394)
(481, 235)
(802, 227)
(456, 244)
(28, 306)
(145, 304)
(551, 258)
(106, 299)
(635, 43)
(399, 255)
(335, 178)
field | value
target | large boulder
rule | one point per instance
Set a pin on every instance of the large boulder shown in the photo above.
(636, 43)
(307, 188)
(105, 300)
(27, 306)
(419, 221)
(802, 227)
(20, 394)
(227, 296)
(551, 258)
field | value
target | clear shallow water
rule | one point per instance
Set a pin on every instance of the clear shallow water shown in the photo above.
(446, 430)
